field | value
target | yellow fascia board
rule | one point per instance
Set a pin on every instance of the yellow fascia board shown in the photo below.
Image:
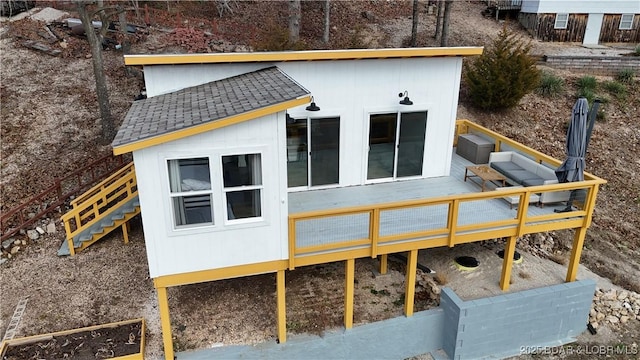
(220, 274)
(198, 129)
(311, 55)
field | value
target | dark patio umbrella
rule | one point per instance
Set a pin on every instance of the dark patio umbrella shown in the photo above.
(572, 169)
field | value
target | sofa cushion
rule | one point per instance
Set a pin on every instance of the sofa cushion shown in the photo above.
(533, 182)
(505, 165)
(519, 175)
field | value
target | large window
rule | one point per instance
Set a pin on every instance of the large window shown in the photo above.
(626, 22)
(242, 175)
(190, 191)
(396, 145)
(313, 151)
(561, 21)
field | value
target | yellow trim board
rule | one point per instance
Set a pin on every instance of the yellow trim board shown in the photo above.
(279, 56)
(208, 126)
(220, 274)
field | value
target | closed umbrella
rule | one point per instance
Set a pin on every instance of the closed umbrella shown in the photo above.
(572, 169)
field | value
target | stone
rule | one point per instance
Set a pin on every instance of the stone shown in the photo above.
(23, 242)
(610, 295)
(33, 235)
(600, 316)
(593, 313)
(16, 242)
(7, 243)
(40, 230)
(623, 295)
(15, 249)
(3, 260)
(626, 305)
(612, 319)
(595, 324)
(51, 228)
(624, 319)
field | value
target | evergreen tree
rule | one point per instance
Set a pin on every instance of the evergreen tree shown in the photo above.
(503, 74)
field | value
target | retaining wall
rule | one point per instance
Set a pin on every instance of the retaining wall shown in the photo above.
(593, 65)
(504, 325)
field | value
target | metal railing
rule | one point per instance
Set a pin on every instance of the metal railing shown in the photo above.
(51, 198)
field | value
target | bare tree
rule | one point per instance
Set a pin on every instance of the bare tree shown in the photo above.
(325, 36)
(414, 24)
(445, 23)
(440, 14)
(95, 43)
(294, 20)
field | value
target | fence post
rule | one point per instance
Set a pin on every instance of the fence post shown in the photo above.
(146, 15)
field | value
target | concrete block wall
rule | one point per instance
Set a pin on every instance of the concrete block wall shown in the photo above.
(500, 326)
(593, 65)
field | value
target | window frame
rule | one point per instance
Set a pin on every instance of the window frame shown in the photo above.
(630, 21)
(181, 194)
(225, 190)
(558, 21)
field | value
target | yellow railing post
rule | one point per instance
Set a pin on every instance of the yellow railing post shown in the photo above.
(292, 243)
(281, 306)
(576, 251)
(374, 230)
(348, 293)
(383, 264)
(453, 221)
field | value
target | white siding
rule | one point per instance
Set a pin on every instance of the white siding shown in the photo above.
(351, 89)
(173, 252)
(581, 6)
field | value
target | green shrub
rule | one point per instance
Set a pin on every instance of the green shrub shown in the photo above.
(636, 51)
(588, 83)
(625, 76)
(503, 74)
(550, 85)
(587, 93)
(616, 89)
(601, 116)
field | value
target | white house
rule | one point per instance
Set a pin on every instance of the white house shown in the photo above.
(585, 21)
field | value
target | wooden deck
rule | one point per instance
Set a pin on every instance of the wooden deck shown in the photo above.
(353, 229)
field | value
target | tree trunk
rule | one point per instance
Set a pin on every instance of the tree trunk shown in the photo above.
(108, 127)
(414, 24)
(439, 14)
(122, 19)
(327, 23)
(445, 23)
(294, 20)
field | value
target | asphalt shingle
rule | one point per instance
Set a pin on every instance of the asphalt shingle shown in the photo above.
(206, 103)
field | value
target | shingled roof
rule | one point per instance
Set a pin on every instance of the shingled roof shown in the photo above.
(205, 104)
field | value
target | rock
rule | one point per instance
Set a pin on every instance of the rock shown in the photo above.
(595, 324)
(593, 313)
(40, 230)
(9, 256)
(612, 319)
(24, 242)
(626, 305)
(624, 319)
(3, 260)
(623, 295)
(600, 316)
(33, 235)
(610, 295)
(15, 249)
(16, 242)
(7, 243)
(51, 228)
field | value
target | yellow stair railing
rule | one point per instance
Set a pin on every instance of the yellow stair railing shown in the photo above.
(93, 211)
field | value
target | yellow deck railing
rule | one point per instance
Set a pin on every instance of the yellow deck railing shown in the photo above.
(100, 202)
(452, 232)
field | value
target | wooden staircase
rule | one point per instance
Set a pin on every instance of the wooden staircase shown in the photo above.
(105, 207)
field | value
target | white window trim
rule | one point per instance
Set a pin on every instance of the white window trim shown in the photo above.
(623, 21)
(179, 228)
(226, 190)
(558, 22)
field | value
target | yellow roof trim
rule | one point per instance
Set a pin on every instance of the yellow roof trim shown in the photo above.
(279, 56)
(198, 129)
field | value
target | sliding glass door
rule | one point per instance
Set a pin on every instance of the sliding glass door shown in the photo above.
(396, 145)
(313, 152)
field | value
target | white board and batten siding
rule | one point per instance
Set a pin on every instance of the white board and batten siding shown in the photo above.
(350, 89)
(581, 6)
(174, 251)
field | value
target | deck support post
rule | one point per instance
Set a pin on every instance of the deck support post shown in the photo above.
(348, 293)
(576, 251)
(507, 263)
(282, 309)
(383, 264)
(165, 320)
(125, 232)
(409, 295)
